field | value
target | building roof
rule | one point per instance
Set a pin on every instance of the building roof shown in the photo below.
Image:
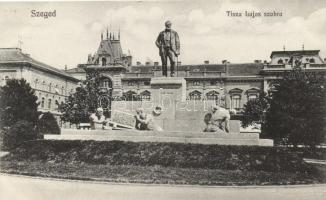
(75, 70)
(291, 53)
(246, 69)
(108, 47)
(15, 55)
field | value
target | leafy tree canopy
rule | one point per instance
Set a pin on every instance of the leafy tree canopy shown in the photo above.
(297, 110)
(255, 109)
(84, 101)
(17, 102)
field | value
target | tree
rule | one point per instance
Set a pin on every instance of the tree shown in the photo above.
(297, 109)
(84, 101)
(47, 124)
(255, 109)
(17, 102)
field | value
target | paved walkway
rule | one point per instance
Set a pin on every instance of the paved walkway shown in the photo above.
(22, 187)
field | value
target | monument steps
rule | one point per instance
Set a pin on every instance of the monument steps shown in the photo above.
(150, 136)
(160, 134)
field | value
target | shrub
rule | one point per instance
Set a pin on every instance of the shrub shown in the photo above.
(47, 124)
(18, 133)
(251, 158)
(17, 102)
(297, 110)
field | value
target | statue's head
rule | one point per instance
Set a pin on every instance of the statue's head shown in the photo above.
(215, 108)
(168, 25)
(99, 111)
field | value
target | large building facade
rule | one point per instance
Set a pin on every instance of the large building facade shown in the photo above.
(230, 85)
(51, 85)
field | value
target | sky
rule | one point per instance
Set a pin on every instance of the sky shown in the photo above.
(206, 31)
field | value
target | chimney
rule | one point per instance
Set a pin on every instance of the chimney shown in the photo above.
(147, 63)
(179, 63)
(206, 62)
(138, 63)
(224, 61)
(66, 68)
(155, 64)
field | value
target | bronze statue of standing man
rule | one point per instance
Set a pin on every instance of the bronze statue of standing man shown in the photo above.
(169, 44)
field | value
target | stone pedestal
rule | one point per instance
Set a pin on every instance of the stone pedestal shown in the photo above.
(168, 89)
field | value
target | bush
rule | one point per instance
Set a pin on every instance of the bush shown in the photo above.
(250, 158)
(297, 110)
(18, 133)
(47, 124)
(17, 102)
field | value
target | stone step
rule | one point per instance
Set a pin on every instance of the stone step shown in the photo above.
(165, 136)
(221, 141)
(112, 133)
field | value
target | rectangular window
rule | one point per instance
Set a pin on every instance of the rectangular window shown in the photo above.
(236, 99)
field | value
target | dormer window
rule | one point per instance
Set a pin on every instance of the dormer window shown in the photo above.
(103, 61)
(312, 60)
(280, 62)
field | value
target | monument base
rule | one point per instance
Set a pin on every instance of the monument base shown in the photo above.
(165, 136)
(168, 88)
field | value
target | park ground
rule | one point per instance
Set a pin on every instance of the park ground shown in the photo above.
(169, 163)
(22, 187)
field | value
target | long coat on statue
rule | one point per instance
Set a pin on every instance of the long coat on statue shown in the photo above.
(174, 42)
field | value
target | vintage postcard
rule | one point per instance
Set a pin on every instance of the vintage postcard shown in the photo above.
(163, 99)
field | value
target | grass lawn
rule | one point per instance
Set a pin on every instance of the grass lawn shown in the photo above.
(158, 174)
(162, 163)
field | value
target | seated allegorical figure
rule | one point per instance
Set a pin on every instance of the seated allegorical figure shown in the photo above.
(217, 120)
(97, 120)
(146, 121)
(138, 118)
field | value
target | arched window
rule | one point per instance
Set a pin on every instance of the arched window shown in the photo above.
(106, 83)
(43, 85)
(56, 104)
(252, 93)
(212, 95)
(103, 61)
(145, 96)
(42, 102)
(196, 83)
(49, 103)
(36, 82)
(195, 95)
(280, 61)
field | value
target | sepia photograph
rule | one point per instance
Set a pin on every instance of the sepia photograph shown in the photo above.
(163, 99)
